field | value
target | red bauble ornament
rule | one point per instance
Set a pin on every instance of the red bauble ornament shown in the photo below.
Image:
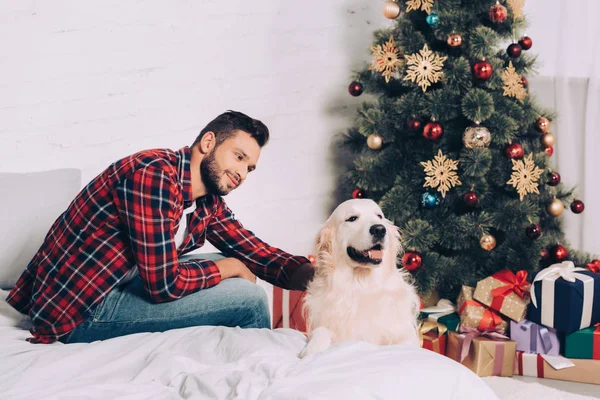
(524, 81)
(526, 42)
(411, 260)
(577, 206)
(498, 13)
(514, 50)
(414, 125)
(549, 151)
(312, 258)
(358, 194)
(433, 130)
(482, 70)
(553, 178)
(559, 253)
(514, 151)
(355, 88)
(534, 231)
(471, 199)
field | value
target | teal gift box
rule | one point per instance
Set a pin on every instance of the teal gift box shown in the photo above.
(444, 313)
(585, 343)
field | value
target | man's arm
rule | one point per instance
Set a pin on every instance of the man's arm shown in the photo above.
(145, 201)
(267, 262)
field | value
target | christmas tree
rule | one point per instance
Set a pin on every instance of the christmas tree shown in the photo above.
(453, 146)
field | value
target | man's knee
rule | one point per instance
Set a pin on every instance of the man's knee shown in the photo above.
(255, 305)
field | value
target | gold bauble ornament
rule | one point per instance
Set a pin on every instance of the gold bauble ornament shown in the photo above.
(543, 124)
(487, 242)
(391, 9)
(375, 141)
(555, 208)
(454, 40)
(548, 139)
(476, 136)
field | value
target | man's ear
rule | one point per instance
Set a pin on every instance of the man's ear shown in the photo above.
(207, 143)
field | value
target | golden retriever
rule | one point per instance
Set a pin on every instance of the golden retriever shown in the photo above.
(357, 292)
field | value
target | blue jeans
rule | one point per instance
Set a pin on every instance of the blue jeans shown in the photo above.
(126, 310)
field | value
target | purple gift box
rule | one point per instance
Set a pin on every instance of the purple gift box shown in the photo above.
(534, 338)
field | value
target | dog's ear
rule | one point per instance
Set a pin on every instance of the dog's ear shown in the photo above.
(325, 239)
(395, 236)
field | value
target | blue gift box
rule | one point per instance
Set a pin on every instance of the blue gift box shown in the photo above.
(576, 304)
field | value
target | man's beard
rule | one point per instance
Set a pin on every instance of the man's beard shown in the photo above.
(211, 173)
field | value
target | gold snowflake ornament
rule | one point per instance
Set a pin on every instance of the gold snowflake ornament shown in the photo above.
(517, 7)
(386, 59)
(423, 5)
(513, 83)
(425, 67)
(525, 176)
(441, 173)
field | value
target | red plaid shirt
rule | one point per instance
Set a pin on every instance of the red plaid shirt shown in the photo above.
(128, 215)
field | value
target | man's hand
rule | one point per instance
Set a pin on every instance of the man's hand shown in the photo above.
(234, 268)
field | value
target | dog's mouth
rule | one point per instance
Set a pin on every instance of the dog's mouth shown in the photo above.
(374, 255)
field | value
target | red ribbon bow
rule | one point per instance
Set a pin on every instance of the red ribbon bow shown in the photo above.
(514, 283)
(594, 266)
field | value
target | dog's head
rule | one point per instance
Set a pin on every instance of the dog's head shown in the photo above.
(358, 232)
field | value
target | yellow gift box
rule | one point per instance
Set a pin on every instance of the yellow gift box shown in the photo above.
(505, 292)
(473, 314)
(486, 356)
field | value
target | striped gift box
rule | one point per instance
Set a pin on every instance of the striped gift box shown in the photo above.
(287, 309)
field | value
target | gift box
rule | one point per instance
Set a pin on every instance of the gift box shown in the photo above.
(534, 338)
(486, 356)
(433, 336)
(475, 315)
(584, 343)
(557, 367)
(287, 309)
(444, 313)
(506, 293)
(565, 297)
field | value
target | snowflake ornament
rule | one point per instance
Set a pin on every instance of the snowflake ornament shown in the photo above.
(513, 83)
(517, 7)
(386, 59)
(525, 176)
(441, 173)
(423, 5)
(425, 67)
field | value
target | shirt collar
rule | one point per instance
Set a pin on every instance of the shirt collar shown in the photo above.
(185, 174)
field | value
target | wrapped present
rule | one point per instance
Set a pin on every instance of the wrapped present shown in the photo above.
(584, 343)
(557, 367)
(485, 353)
(444, 313)
(534, 338)
(565, 297)
(287, 309)
(473, 314)
(433, 336)
(505, 292)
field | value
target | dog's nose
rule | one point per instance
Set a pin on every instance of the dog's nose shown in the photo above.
(378, 231)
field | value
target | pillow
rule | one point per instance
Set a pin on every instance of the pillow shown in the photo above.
(29, 205)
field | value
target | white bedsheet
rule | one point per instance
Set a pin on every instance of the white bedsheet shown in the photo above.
(222, 363)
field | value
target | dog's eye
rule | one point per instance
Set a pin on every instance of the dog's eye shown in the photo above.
(380, 216)
(352, 218)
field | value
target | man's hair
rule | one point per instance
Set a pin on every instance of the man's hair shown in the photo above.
(225, 125)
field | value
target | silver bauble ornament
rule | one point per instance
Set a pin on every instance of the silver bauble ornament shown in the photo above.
(476, 136)
(487, 242)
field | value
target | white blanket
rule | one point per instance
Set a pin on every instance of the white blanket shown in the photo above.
(222, 363)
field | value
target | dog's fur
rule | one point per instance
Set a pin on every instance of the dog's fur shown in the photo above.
(350, 299)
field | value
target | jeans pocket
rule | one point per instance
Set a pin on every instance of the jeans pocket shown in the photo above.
(106, 309)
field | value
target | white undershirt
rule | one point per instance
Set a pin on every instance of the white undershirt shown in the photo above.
(180, 235)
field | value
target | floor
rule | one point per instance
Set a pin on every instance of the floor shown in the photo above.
(585, 389)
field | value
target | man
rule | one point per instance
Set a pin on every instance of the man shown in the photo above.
(112, 263)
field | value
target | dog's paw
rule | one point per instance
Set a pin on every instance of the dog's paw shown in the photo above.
(320, 340)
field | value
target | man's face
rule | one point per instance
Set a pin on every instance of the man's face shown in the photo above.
(228, 164)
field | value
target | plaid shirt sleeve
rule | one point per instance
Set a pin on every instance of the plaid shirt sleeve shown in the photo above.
(268, 263)
(147, 202)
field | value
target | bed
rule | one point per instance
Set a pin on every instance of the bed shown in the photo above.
(194, 363)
